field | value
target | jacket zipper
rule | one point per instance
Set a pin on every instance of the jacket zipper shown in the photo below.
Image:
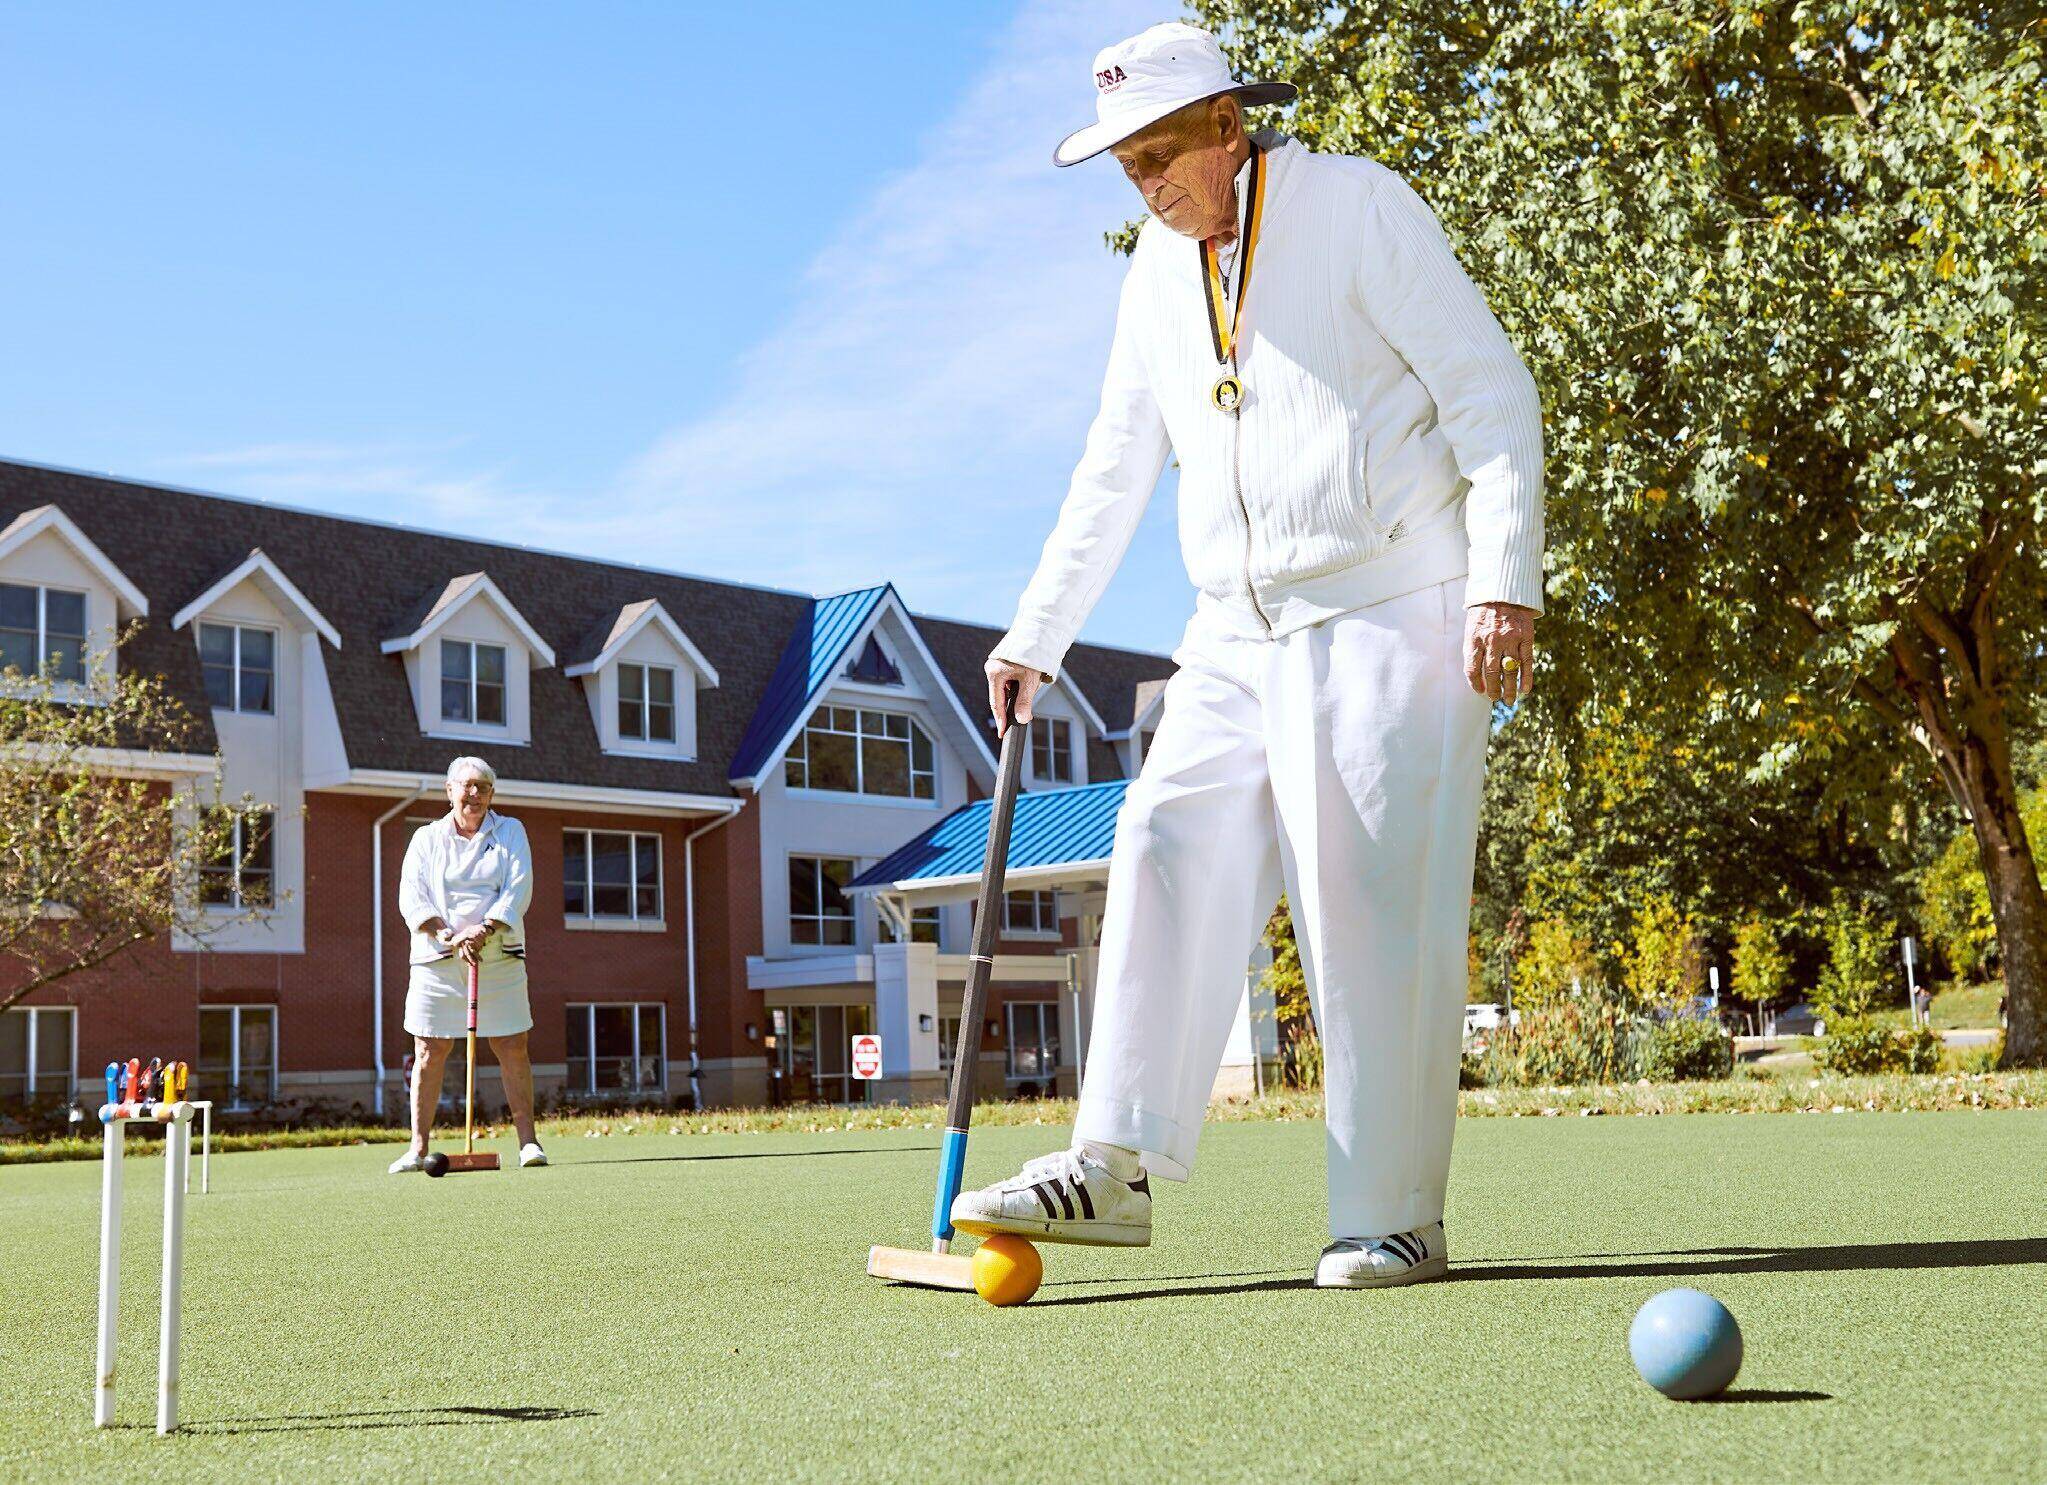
(1237, 489)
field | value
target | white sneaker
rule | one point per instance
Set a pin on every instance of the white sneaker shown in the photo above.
(408, 1161)
(1382, 1262)
(530, 1153)
(1062, 1198)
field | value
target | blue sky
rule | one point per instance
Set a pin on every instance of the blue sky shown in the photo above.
(784, 294)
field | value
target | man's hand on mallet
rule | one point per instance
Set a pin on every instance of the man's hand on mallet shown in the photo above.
(1000, 674)
(1499, 650)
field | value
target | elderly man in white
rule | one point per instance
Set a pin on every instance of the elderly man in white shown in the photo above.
(463, 892)
(1360, 508)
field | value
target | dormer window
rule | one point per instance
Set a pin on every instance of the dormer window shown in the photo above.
(472, 682)
(1052, 750)
(240, 665)
(874, 666)
(646, 703)
(42, 631)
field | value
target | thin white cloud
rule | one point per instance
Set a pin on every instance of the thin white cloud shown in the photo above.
(918, 411)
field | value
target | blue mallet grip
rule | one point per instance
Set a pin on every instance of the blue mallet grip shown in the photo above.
(952, 1161)
(113, 1082)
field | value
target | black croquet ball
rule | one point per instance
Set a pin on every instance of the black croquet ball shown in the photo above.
(435, 1164)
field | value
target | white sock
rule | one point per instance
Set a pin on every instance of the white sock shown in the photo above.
(1121, 1163)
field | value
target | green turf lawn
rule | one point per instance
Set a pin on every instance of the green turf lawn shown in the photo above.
(663, 1306)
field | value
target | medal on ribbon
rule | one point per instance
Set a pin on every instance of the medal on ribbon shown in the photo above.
(1227, 395)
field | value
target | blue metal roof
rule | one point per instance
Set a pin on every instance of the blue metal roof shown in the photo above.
(1051, 828)
(808, 662)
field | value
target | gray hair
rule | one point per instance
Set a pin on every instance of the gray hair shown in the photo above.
(476, 766)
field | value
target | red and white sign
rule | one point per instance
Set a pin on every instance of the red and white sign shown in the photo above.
(867, 1057)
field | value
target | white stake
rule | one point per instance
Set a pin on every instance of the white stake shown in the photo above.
(177, 1161)
(110, 1272)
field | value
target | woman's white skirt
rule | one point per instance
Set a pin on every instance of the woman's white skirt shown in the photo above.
(437, 998)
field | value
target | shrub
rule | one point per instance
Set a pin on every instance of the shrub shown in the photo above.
(1471, 1070)
(1587, 1039)
(1922, 1046)
(1663, 965)
(1688, 1050)
(1981, 1059)
(1558, 959)
(1856, 976)
(1857, 1044)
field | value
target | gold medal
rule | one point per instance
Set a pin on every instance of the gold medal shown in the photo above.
(1227, 395)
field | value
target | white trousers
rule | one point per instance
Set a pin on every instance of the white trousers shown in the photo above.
(1344, 761)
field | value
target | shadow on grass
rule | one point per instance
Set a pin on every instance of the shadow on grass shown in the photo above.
(1766, 1395)
(756, 1155)
(1684, 1263)
(382, 1418)
(1677, 1264)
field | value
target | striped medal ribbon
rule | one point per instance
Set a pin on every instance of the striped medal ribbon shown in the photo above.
(1227, 395)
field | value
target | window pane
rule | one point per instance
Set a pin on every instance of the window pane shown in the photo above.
(64, 614)
(652, 1053)
(632, 682)
(578, 1026)
(259, 649)
(647, 876)
(631, 717)
(216, 644)
(575, 862)
(490, 704)
(924, 926)
(216, 1031)
(803, 899)
(613, 1059)
(256, 1049)
(18, 651)
(661, 686)
(661, 723)
(17, 607)
(611, 866)
(920, 750)
(837, 907)
(255, 690)
(220, 685)
(886, 765)
(923, 786)
(13, 1053)
(454, 700)
(490, 664)
(454, 660)
(896, 726)
(832, 762)
(66, 658)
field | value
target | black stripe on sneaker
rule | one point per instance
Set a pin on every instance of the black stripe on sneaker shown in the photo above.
(1086, 1203)
(1065, 1201)
(1045, 1200)
(1400, 1246)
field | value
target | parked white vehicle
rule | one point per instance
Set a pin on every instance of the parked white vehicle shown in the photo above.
(1486, 1016)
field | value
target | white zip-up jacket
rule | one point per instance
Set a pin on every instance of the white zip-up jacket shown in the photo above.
(1389, 439)
(423, 886)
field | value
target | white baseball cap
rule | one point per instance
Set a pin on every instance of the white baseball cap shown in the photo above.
(1140, 81)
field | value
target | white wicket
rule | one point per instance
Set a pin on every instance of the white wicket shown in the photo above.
(176, 1119)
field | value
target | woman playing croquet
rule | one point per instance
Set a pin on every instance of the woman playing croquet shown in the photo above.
(463, 893)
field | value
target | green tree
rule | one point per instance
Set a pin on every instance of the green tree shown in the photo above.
(1779, 273)
(1557, 962)
(1954, 899)
(1762, 969)
(1663, 964)
(1300, 1049)
(1857, 976)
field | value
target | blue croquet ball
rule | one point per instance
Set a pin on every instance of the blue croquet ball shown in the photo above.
(1685, 1344)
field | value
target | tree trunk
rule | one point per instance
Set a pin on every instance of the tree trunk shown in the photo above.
(2019, 907)
(1961, 707)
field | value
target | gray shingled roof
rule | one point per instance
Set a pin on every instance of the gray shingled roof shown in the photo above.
(373, 581)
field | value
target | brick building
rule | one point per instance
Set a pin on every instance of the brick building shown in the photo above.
(703, 769)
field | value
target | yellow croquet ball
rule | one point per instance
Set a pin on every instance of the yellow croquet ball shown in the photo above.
(1007, 1270)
